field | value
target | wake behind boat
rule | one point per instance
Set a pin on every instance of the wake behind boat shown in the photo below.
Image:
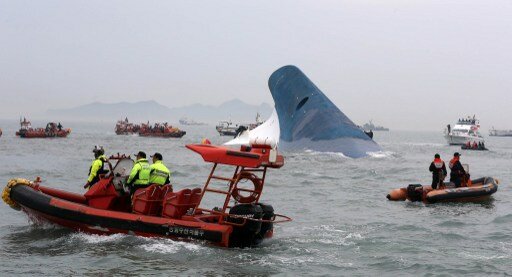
(466, 129)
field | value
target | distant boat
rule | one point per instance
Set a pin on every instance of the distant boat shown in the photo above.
(466, 129)
(123, 127)
(500, 133)
(52, 130)
(226, 128)
(187, 121)
(160, 130)
(371, 127)
(258, 122)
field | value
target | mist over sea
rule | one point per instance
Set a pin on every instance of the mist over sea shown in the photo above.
(343, 224)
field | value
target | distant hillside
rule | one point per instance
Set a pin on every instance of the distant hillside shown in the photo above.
(236, 110)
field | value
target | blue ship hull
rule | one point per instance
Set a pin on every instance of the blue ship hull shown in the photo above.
(310, 121)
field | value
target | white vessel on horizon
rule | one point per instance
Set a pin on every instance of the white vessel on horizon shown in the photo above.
(188, 121)
(372, 127)
(500, 133)
(466, 129)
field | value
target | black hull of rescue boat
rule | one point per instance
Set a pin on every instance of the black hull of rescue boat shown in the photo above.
(465, 194)
(96, 221)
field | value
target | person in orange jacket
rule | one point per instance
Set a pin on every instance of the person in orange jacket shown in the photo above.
(438, 169)
(456, 170)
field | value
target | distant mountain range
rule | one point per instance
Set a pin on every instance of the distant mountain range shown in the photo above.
(236, 110)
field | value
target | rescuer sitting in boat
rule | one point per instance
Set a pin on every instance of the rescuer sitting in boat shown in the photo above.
(139, 176)
(457, 171)
(468, 144)
(438, 169)
(96, 167)
(159, 173)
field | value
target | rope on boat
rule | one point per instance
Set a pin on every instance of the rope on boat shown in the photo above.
(6, 194)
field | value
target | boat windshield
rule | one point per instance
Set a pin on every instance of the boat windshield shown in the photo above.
(121, 172)
(123, 167)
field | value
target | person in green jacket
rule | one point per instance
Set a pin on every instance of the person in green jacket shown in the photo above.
(96, 167)
(160, 174)
(139, 176)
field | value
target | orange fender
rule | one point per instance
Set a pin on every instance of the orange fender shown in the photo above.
(397, 195)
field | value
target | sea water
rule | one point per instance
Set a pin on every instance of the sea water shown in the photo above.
(343, 224)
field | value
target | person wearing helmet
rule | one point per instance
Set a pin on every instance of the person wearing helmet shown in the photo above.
(96, 167)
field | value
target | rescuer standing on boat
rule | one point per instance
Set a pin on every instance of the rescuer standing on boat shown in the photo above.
(456, 170)
(438, 169)
(139, 176)
(96, 167)
(159, 174)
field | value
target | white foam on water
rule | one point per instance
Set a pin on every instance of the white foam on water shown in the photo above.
(381, 154)
(319, 153)
(95, 239)
(290, 260)
(330, 235)
(484, 257)
(167, 246)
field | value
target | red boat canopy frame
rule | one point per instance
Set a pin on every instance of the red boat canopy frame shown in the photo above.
(247, 161)
(253, 157)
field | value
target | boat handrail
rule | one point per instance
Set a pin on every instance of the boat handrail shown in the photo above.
(277, 218)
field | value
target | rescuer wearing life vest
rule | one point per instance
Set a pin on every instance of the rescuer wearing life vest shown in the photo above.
(96, 167)
(438, 169)
(139, 176)
(456, 170)
(159, 173)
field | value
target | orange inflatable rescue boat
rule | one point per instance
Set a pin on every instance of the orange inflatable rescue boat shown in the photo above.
(239, 220)
(476, 190)
(52, 130)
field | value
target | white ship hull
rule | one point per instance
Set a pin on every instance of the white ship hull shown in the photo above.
(461, 139)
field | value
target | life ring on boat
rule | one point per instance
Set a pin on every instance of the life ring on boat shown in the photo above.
(255, 193)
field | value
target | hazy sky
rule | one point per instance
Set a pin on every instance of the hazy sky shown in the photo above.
(406, 64)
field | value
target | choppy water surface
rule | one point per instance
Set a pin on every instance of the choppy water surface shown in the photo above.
(343, 224)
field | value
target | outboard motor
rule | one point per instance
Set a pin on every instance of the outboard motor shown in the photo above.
(415, 192)
(245, 235)
(267, 228)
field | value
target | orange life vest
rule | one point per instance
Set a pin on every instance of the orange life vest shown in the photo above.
(438, 163)
(453, 161)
